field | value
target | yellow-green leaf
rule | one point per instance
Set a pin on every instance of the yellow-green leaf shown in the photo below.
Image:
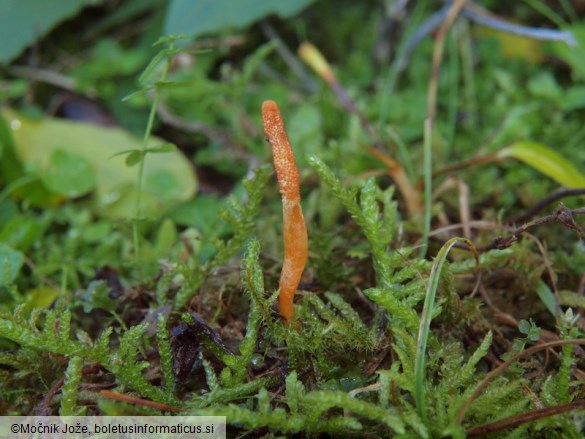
(545, 160)
(168, 178)
(41, 297)
(68, 174)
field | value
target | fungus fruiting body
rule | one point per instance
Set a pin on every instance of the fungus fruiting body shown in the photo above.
(294, 229)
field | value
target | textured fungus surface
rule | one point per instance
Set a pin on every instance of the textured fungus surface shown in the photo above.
(294, 229)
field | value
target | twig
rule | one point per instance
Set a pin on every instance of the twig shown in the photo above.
(498, 370)
(477, 224)
(398, 174)
(288, 56)
(464, 207)
(425, 29)
(45, 409)
(48, 77)
(545, 202)
(190, 126)
(311, 55)
(139, 401)
(485, 18)
(561, 214)
(522, 418)
(465, 164)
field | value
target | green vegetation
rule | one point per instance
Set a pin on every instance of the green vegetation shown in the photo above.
(141, 230)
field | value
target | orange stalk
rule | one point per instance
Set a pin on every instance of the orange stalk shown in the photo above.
(294, 228)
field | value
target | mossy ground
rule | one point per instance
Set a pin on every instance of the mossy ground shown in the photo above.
(388, 339)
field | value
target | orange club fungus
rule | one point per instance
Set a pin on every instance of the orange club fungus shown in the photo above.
(294, 228)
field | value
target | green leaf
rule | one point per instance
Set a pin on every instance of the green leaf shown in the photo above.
(10, 263)
(25, 21)
(165, 147)
(574, 98)
(97, 296)
(13, 172)
(21, 231)
(108, 59)
(545, 160)
(42, 297)
(151, 65)
(573, 55)
(548, 298)
(166, 182)
(204, 16)
(524, 326)
(133, 158)
(420, 388)
(69, 174)
(125, 152)
(166, 237)
(544, 85)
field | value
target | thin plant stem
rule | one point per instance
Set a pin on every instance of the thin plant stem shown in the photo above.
(469, 93)
(549, 13)
(64, 275)
(428, 179)
(453, 94)
(403, 154)
(569, 10)
(400, 62)
(452, 14)
(438, 57)
(145, 140)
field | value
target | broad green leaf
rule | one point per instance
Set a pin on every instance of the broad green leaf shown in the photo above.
(168, 178)
(10, 263)
(24, 21)
(41, 297)
(196, 17)
(545, 160)
(69, 174)
(13, 172)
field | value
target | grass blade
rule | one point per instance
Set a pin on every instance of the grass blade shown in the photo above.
(425, 321)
